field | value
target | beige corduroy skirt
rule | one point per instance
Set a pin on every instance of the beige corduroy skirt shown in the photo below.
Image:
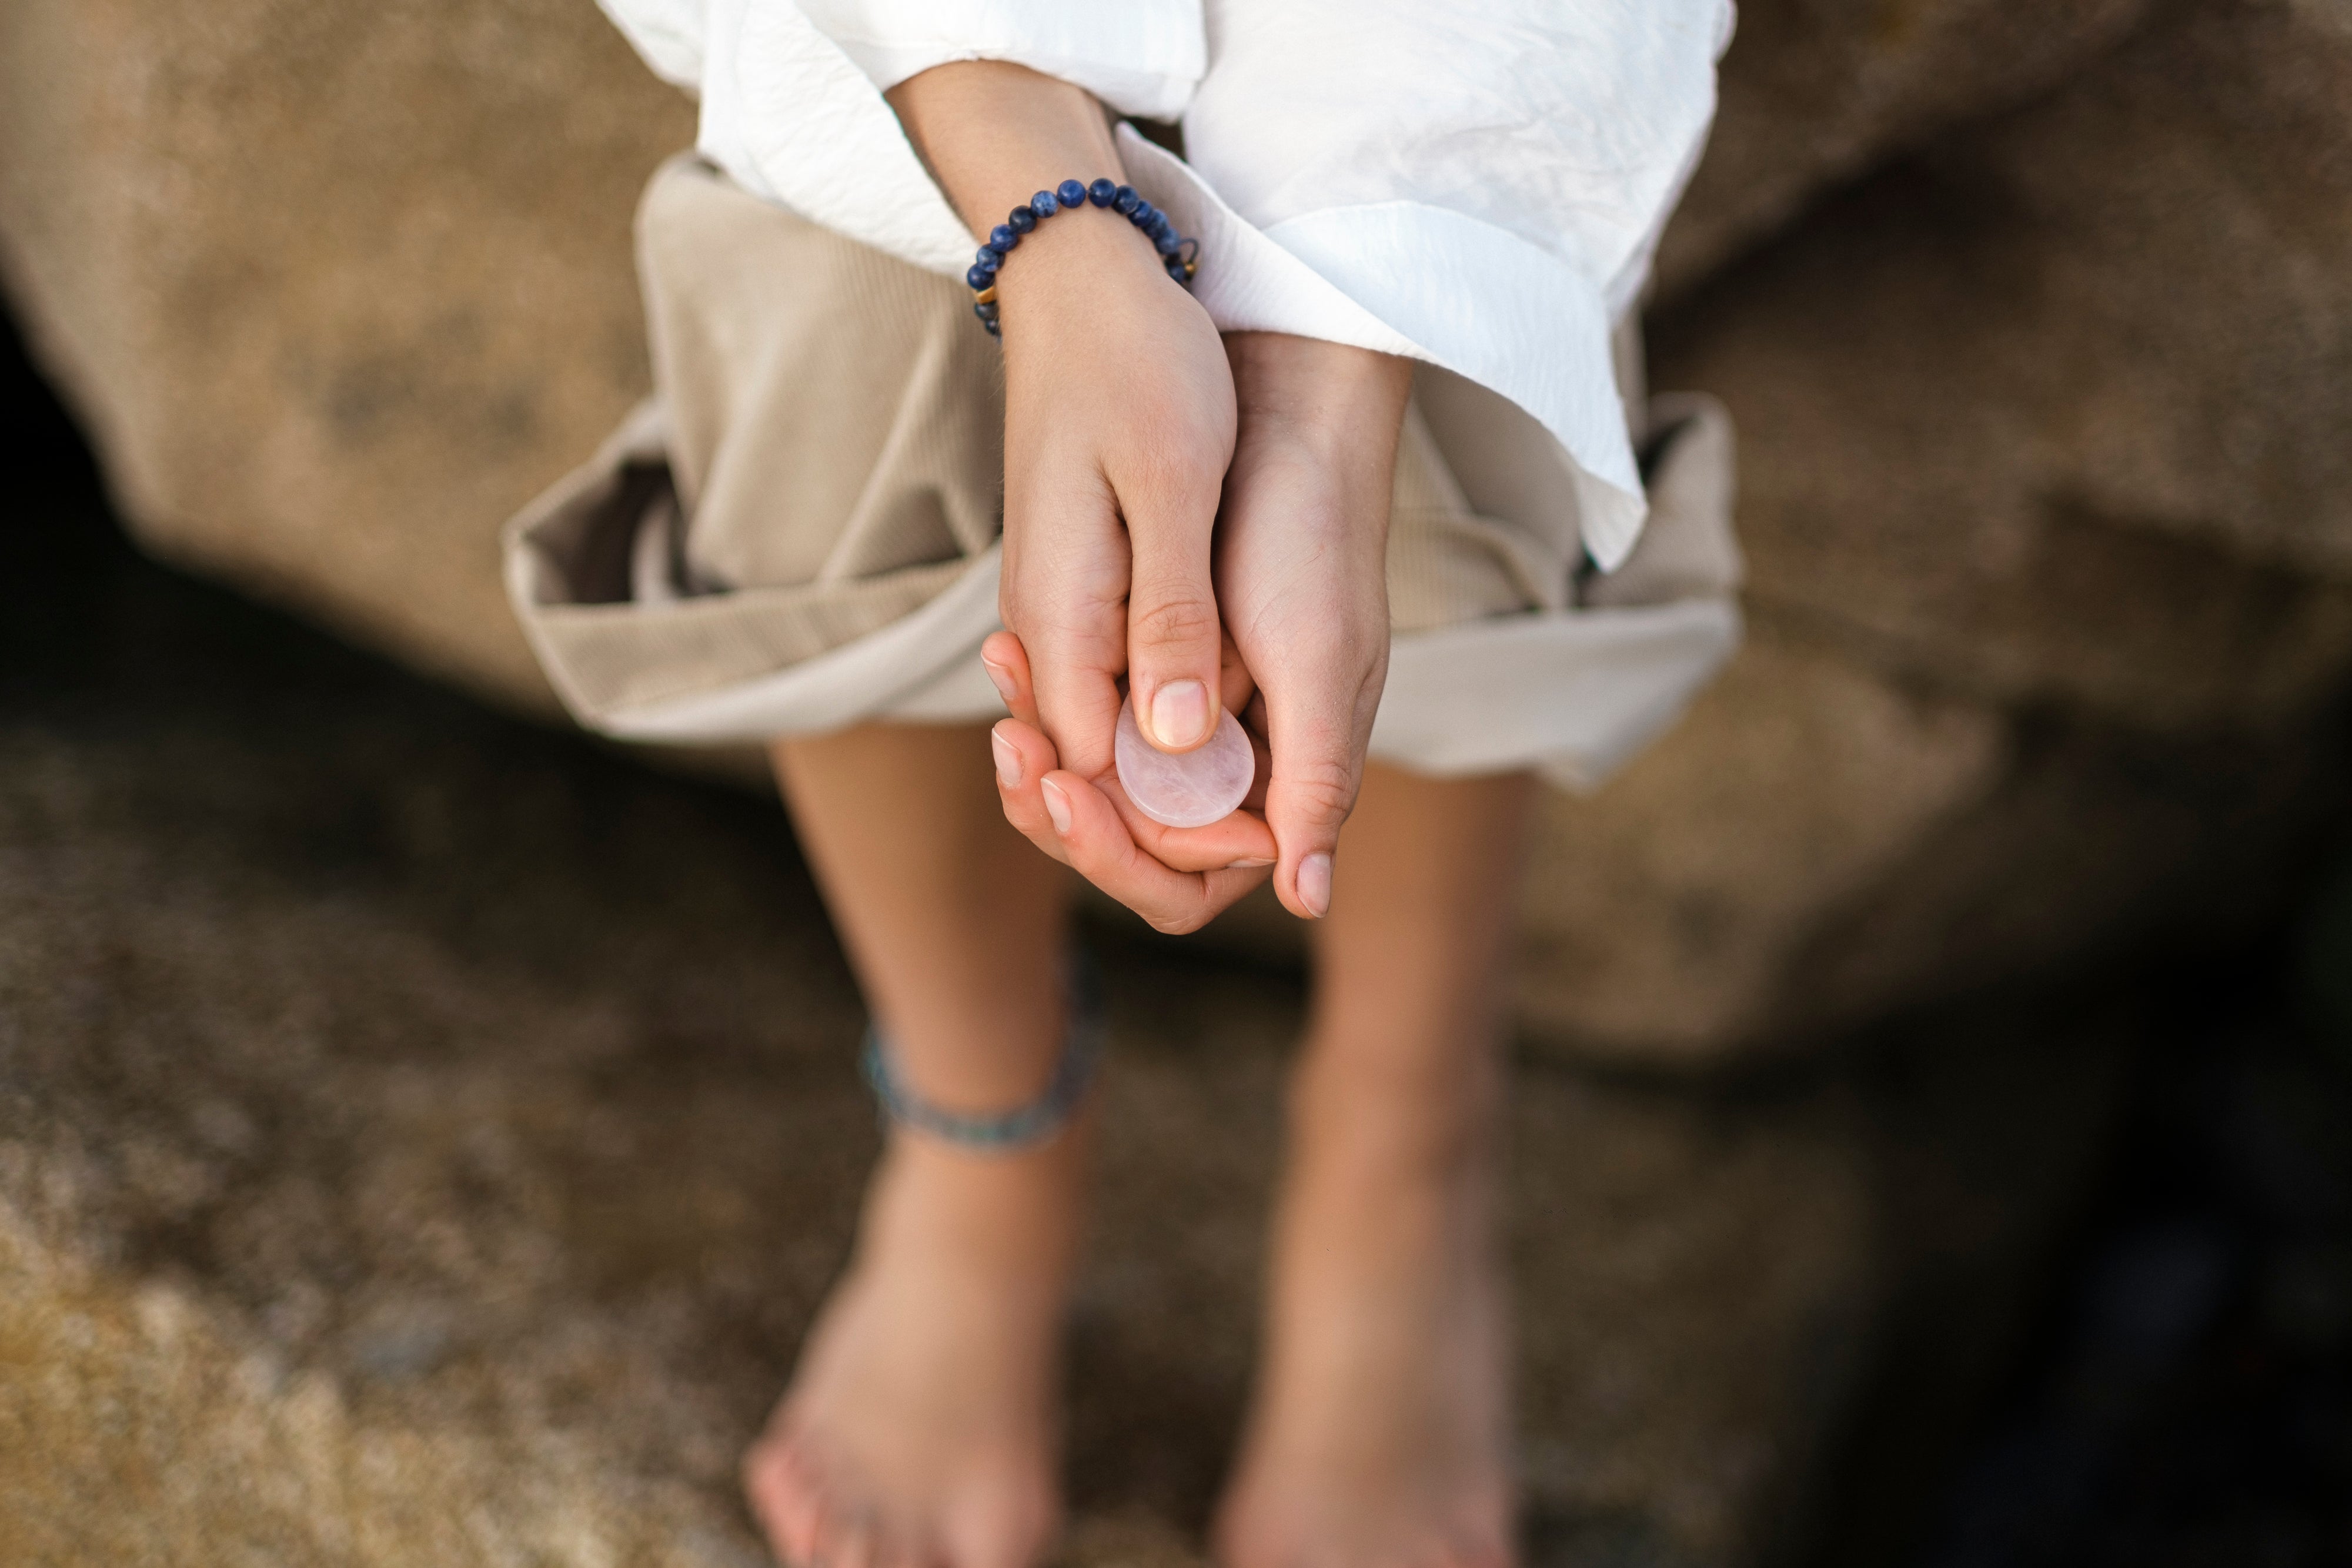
(798, 531)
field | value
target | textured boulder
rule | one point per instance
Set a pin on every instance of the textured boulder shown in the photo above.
(1818, 92)
(2042, 449)
(337, 287)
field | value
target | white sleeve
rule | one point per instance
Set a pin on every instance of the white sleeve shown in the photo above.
(1483, 182)
(792, 93)
(1477, 184)
(1142, 57)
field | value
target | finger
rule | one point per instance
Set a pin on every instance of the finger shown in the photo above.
(1238, 837)
(1239, 688)
(1096, 842)
(1252, 721)
(1022, 757)
(1007, 664)
(1064, 598)
(1074, 680)
(1315, 731)
(1174, 674)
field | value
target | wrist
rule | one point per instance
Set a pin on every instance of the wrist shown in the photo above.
(1072, 256)
(1311, 387)
(993, 134)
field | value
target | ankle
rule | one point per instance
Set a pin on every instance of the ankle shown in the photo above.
(1418, 1115)
(1020, 1210)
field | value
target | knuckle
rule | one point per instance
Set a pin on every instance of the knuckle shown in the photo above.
(1173, 621)
(1322, 787)
(1175, 462)
(1177, 924)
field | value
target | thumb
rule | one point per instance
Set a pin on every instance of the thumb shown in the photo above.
(1315, 742)
(1174, 652)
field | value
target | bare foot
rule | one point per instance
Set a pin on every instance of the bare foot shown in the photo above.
(920, 1428)
(1380, 1434)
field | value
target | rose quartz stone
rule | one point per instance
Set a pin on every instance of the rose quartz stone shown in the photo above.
(1184, 788)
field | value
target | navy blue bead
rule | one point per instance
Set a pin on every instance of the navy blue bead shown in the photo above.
(1161, 225)
(1143, 215)
(1021, 220)
(980, 276)
(1002, 238)
(1124, 201)
(1176, 269)
(986, 312)
(1071, 193)
(1102, 193)
(988, 257)
(1166, 242)
(1043, 204)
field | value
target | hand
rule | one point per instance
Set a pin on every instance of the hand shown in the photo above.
(1302, 575)
(1119, 418)
(1178, 879)
(1118, 424)
(1119, 428)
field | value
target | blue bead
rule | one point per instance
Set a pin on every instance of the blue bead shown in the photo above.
(1143, 215)
(1161, 224)
(1166, 242)
(1124, 203)
(1071, 193)
(985, 312)
(1021, 220)
(1102, 193)
(988, 257)
(1043, 204)
(1176, 269)
(980, 276)
(1002, 238)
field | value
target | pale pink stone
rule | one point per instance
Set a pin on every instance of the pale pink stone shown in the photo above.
(1184, 788)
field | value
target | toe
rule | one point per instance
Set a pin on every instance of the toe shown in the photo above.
(787, 1497)
(849, 1538)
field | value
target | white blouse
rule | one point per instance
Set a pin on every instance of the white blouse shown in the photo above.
(1479, 184)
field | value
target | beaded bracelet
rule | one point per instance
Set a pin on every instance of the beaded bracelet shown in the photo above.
(1181, 255)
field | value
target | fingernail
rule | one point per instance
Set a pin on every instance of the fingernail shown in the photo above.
(1057, 805)
(1001, 678)
(1008, 760)
(1180, 714)
(1315, 884)
(1251, 864)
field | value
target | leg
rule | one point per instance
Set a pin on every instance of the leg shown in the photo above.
(1379, 1432)
(920, 1427)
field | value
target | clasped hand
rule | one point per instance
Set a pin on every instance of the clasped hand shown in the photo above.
(1203, 522)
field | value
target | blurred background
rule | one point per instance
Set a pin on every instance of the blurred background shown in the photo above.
(425, 1132)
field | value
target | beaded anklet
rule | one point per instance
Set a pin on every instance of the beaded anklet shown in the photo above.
(1024, 1126)
(1182, 255)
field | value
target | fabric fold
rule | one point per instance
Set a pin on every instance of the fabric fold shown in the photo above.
(1477, 186)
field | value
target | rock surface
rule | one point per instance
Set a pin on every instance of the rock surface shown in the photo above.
(338, 288)
(1818, 92)
(424, 1139)
(2044, 500)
